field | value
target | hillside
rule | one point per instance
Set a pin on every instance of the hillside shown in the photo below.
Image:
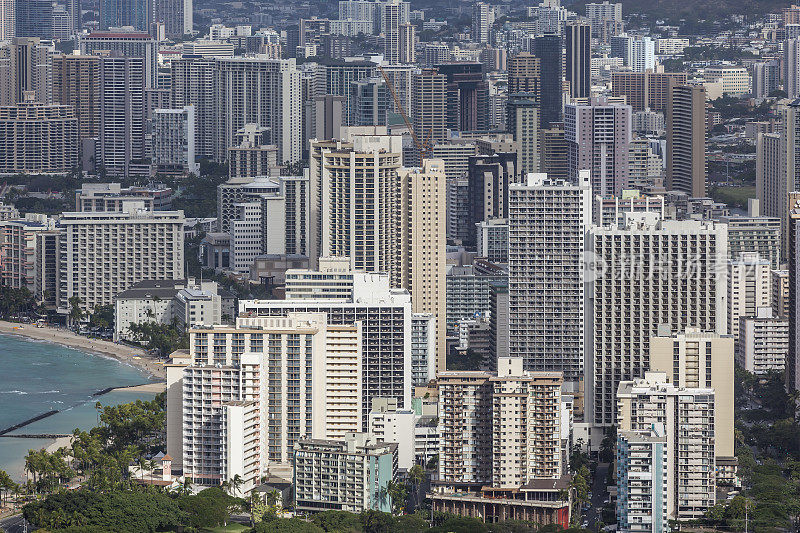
(694, 9)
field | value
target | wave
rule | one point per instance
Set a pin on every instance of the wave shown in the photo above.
(18, 392)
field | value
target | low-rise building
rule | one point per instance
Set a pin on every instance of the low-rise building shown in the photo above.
(351, 474)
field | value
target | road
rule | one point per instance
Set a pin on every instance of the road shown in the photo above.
(15, 524)
(594, 514)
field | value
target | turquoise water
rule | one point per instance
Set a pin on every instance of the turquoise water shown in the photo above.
(36, 377)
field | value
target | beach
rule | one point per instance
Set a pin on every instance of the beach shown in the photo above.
(126, 354)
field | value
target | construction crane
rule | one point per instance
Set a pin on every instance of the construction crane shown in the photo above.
(422, 147)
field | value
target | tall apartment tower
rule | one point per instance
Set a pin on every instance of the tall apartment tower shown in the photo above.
(261, 91)
(121, 135)
(749, 288)
(423, 244)
(766, 78)
(792, 372)
(633, 290)
(408, 43)
(791, 67)
(691, 479)
(391, 23)
(129, 44)
(686, 139)
(695, 359)
(118, 13)
(76, 82)
(500, 429)
(578, 47)
(548, 220)
(522, 121)
(192, 83)
(525, 75)
(598, 136)
(28, 63)
(176, 15)
(482, 20)
(547, 48)
(599, 14)
(641, 466)
(777, 171)
(8, 20)
(429, 111)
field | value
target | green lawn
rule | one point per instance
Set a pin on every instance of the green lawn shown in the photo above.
(733, 196)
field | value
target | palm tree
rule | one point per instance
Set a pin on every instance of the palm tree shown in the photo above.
(236, 483)
(416, 476)
(273, 497)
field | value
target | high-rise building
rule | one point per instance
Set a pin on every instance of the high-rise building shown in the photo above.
(763, 342)
(8, 20)
(548, 220)
(25, 66)
(601, 13)
(554, 149)
(175, 15)
(121, 135)
(523, 123)
(482, 21)
(423, 244)
(645, 90)
(34, 18)
(791, 67)
(252, 156)
(105, 253)
(642, 481)
(370, 99)
(489, 177)
(38, 138)
(408, 43)
(792, 371)
(577, 60)
(391, 31)
(753, 233)
(76, 82)
(695, 359)
(548, 49)
(260, 91)
(780, 293)
(525, 75)
(301, 374)
(749, 288)
(132, 44)
(386, 322)
(192, 83)
(429, 99)
(686, 139)
(598, 137)
(638, 286)
(690, 461)
(173, 141)
(118, 13)
(467, 96)
(766, 78)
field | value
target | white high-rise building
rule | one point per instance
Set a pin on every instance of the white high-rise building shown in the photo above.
(642, 54)
(482, 21)
(391, 22)
(386, 319)
(121, 139)
(548, 221)
(173, 141)
(105, 253)
(600, 13)
(261, 91)
(8, 19)
(763, 342)
(244, 396)
(130, 44)
(687, 415)
(648, 273)
(749, 287)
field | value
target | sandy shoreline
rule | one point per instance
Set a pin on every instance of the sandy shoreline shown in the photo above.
(126, 354)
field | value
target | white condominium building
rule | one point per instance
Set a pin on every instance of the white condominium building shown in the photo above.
(688, 418)
(173, 141)
(645, 274)
(386, 319)
(763, 342)
(749, 287)
(642, 481)
(105, 253)
(298, 376)
(548, 220)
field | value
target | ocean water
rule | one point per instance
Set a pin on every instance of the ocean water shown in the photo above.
(37, 376)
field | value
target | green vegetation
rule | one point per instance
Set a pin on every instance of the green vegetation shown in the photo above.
(164, 338)
(733, 196)
(768, 449)
(471, 360)
(15, 302)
